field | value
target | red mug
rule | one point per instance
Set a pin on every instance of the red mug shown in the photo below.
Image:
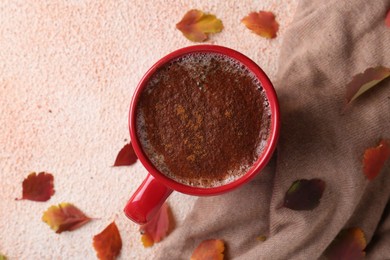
(155, 189)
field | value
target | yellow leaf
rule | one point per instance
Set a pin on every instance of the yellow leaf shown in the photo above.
(195, 25)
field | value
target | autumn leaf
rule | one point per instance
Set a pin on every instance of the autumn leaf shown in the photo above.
(304, 194)
(211, 249)
(156, 229)
(2, 257)
(362, 82)
(261, 238)
(64, 217)
(262, 23)
(348, 244)
(108, 243)
(375, 158)
(126, 156)
(387, 19)
(38, 187)
(195, 25)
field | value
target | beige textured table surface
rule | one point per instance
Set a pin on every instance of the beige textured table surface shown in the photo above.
(67, 73)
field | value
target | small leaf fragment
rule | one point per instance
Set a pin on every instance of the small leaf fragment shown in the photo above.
(108, 243)
(261, 238)
(363, 82)
(126, 156)
(156, 229)
(195, 25)
(38, 187)
(348, 244)
(304, 194)
(375, 158)
(64, 217)
(387, 19)
(2, 257)
(262, 23)
(147, 240)
(211, 249)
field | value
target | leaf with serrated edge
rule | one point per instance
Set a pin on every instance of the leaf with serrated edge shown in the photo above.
(349, 244)
(262, 23)
(64, 217)
(304, 194)
(362, 82)
(375, 158)
(108, 243)
(156, 229)
(211, 249)
(38, 187)
(195, 25)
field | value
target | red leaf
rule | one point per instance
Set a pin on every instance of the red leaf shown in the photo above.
(211, 249)
(64, 217)
(387, 19)
(195, 25)
(126, 156)
(38, 187)
(262, 23)
(349, 244)
(108, 243)
(363, 82)
(156, 229)
(375, 158)
(304, 194)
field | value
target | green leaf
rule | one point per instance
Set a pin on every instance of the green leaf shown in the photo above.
(304, 194)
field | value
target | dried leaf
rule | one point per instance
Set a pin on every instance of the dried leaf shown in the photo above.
(387, 19)
(262, 23)
(375, 158)
(2, 257)
(126, 156)
(211, 249)
(304, 194)
(364, 81)
(349, 244)
(38, 187)
(108, 243)
(64, 217)
(195, 25)
(156, 229)
(261, 238)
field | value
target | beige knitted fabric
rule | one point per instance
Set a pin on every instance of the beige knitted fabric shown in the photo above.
(327, 44)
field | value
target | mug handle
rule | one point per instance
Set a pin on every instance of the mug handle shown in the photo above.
(147, 200)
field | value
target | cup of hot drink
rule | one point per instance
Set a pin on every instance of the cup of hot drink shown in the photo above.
(203, 120)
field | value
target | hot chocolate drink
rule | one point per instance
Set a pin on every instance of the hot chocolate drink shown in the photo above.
(203, 119)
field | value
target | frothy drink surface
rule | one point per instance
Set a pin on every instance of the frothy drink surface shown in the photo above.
(203, 119)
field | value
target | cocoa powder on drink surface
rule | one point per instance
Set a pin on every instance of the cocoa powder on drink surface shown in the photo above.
(205, 119)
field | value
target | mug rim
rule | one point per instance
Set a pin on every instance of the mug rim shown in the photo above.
(263, 158)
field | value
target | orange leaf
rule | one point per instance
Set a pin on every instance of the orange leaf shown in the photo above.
(211, 249)
(262, 23)
(147, 240)
(387, 19)
(64, 217)
(364, 81)
(38, 187)
(126, 156)
(349, 244)
(108, 243)
(375, 158)
(195, 25)
(155, 230)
